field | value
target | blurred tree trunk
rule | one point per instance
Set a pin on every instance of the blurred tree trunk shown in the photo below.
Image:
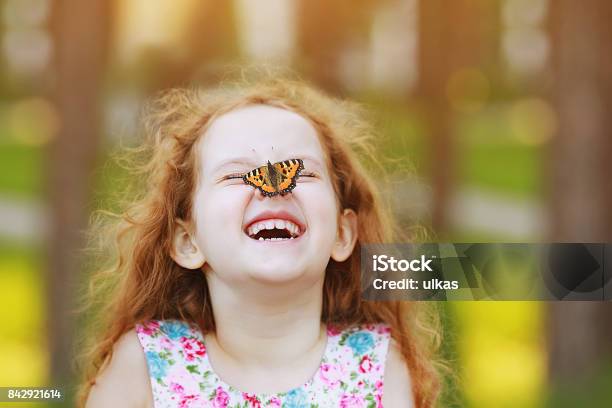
(453, 35)
(81, 32)
(580, 171)
(326, 30)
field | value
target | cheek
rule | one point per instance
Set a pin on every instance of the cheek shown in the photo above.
(320, 206)
(220, 210)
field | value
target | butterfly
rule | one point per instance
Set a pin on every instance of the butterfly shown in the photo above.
(278, 178)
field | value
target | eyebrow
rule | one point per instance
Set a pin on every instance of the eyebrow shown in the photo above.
(248, 162)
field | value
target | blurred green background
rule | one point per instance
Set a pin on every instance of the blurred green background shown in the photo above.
(493, 117)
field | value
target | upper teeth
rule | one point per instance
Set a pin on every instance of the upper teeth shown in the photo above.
(272, 224)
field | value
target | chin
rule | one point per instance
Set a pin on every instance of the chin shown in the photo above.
(271, 274)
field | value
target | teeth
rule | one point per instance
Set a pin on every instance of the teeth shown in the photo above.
(275, 239)
(293, 229)
(255, 229)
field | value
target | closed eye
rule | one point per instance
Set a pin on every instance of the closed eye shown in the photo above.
(308, 174)
(230, 177)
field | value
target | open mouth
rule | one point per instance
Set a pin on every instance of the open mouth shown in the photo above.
(273, 230)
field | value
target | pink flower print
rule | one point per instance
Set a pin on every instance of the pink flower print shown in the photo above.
(221, 398)
(252, 399)
(176, 388)
(352, 401)
(192, 347)
(179, 375)
(331, 374)
(333, 331)
(187, 400)
(360, 384)
(147, 328)
(382, 329)
(165, 343)
(365, 365)
(274, 403)
(378, 385)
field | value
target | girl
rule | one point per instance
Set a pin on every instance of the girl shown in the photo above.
(225, 296)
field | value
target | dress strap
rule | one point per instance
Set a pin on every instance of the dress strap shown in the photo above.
(174, 355)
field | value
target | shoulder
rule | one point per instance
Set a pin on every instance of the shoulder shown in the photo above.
(397, 391)
(124, 380)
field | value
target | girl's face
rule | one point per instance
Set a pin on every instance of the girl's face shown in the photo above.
(230, 216)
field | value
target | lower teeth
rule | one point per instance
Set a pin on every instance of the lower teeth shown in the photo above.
(273, 239)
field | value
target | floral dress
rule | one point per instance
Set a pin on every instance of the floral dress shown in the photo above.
(350, 374)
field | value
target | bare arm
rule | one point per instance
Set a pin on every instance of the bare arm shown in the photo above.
(397, 388)
(124, 381)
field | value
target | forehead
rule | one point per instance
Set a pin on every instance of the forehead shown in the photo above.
(255, 134)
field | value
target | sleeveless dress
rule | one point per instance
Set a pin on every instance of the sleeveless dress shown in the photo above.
(350, 374)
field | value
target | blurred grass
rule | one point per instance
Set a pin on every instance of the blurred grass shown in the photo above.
(503, 167)
(491, 157)
(594, 391)
(21, 170)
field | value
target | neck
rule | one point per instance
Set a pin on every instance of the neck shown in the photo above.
(266, 328)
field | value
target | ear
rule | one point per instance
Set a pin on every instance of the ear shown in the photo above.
(346, 236)
(185, 251)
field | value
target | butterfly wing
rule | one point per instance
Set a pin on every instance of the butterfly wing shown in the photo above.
(260, 179)
(281, 182)
(289, 171)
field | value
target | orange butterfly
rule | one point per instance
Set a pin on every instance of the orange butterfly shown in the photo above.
(277, 178)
